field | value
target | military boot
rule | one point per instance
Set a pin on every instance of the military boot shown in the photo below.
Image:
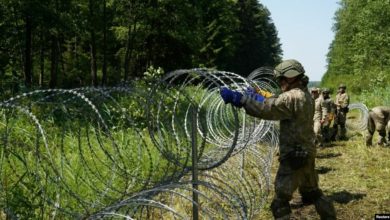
(382, 141)
(281, 209)
(343, 133)
(324, 207)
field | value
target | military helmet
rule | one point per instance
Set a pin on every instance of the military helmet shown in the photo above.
(289, 69)
(314, 89)
(325, 91)
(342, 86)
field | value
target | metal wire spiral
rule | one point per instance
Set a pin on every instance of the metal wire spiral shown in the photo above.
(357, 121)
(125, 152)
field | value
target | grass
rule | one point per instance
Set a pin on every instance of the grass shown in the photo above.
(354, 176)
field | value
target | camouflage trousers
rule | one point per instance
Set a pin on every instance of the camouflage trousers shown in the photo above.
(288, 180)
(305, 179)
(326, 133)
(340, 121)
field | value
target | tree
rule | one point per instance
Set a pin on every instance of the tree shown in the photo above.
(59, 43)
(257, 44)
(359, 51)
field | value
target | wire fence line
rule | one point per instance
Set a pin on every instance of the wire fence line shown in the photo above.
(126, 151)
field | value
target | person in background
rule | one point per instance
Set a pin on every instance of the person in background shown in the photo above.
(341, 110)
(378, 119)
(294, 107)
(328, 104)
(320, 115)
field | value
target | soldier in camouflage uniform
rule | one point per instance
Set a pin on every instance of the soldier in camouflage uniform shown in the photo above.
(295, 110)
(328, 104)
(378, 119)
(341, 104)
(320, 114)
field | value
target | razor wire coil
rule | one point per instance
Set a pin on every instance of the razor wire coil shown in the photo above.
(126, 151)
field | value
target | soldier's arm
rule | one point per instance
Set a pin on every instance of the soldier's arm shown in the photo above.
(337, 101)
(271, 109)
(324, 110)
(346, 103)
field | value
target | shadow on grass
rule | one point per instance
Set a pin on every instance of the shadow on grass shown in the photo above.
(323, 170)
(329, 155)
(344, 197)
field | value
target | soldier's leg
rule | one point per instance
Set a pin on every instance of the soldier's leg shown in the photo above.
(381, 128)
(325, 134)
(325, 208)
(324, 205)
(343, 130)
(286, 182)
(370, 130)
(311, 194)
(334, 131)
(317, 132)
(388, 131)
(382, 137)
(309, 182)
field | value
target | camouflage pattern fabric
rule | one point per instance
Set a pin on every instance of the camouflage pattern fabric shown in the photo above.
(329, 105)
(378, 120)
(288, 180)
(342, 99)
(320, 117)
(341, 102)
(295, 110)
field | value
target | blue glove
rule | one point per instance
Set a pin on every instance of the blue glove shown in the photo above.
(251, 92)
(231, 96)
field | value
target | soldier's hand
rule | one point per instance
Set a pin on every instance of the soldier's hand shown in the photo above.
(231, 96)
(251, 92)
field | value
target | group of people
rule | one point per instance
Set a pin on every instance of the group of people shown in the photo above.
(327, 111)
(306, 119)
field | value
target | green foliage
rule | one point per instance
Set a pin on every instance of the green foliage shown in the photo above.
(360, 51)
(377, 93)
(124, 38)
(257, 42)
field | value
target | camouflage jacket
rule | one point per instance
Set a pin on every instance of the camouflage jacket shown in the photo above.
(380, 115)
(329, 105)
(342, 100)
(320, 110)
(295, 110)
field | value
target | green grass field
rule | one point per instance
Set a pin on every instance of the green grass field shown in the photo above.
(354, 176)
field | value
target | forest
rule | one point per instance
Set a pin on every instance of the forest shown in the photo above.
(88, 133)
(68, 44)
(360, 52)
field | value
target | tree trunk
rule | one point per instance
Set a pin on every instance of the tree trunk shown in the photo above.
(42, 61)
(54, 63)
(28, 54)
(92, 46)
(130, 41)
(127, 55)
(104, 68)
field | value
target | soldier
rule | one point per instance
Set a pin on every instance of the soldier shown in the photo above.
(295, 110)
(341, 103)
(378, 119)
(320, 115)
(328, 104)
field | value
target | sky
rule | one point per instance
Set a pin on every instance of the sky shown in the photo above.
(305, 31)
